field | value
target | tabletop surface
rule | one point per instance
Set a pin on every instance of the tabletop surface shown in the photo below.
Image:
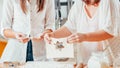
(41, 65)
(38, 65)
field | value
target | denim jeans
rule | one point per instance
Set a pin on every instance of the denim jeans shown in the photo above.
(29, 55)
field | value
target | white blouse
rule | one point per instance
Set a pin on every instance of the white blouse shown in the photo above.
(32, 23)
(79, 22)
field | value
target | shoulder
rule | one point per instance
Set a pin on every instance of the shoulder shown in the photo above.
(77, 6)
(9, 1)
(49, 1)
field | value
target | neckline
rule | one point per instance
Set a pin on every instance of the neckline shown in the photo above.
(86, 13)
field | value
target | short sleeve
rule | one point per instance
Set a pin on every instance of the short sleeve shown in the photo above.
(7, 17)
(109, 18)
(50, 15)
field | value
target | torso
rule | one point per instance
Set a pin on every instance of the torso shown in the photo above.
(89, 23)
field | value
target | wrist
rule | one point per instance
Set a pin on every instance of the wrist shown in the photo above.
(85, 37)
(48, 31)
(15, 35)
(52, 34)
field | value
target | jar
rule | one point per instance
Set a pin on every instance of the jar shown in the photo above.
(98, 60)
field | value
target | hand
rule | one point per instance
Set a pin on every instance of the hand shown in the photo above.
(22, 37)
(47, 37)
(81, 65)
(76, 38)
(40, 36)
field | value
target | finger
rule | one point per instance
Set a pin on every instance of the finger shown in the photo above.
(38, 39)
(74, 37)
(42, 36)
(44, 33)
(25, 41)
(74, 41)
(47, 38)
(71, 36)
(19, 35)
(47, 31)
(80, 66)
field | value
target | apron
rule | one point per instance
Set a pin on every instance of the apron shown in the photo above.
(14, 51)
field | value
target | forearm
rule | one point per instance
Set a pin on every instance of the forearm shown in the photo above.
(97, 36)
(48, 31)
(61, 33)
(8, 33)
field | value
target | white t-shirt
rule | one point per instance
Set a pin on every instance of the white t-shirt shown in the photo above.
(78, 21)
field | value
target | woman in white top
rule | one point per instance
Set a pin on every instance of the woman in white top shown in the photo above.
(91, 24)
(24, 18)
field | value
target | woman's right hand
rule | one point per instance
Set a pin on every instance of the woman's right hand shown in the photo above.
(22, 37)
(48, 37)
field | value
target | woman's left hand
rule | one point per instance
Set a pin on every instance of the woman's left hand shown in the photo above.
(39, 37)
(76, 38)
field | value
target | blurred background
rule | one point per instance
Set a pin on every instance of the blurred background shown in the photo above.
(62, 8)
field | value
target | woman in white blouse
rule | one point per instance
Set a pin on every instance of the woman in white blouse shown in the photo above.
(24, 18)
(91, 24)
